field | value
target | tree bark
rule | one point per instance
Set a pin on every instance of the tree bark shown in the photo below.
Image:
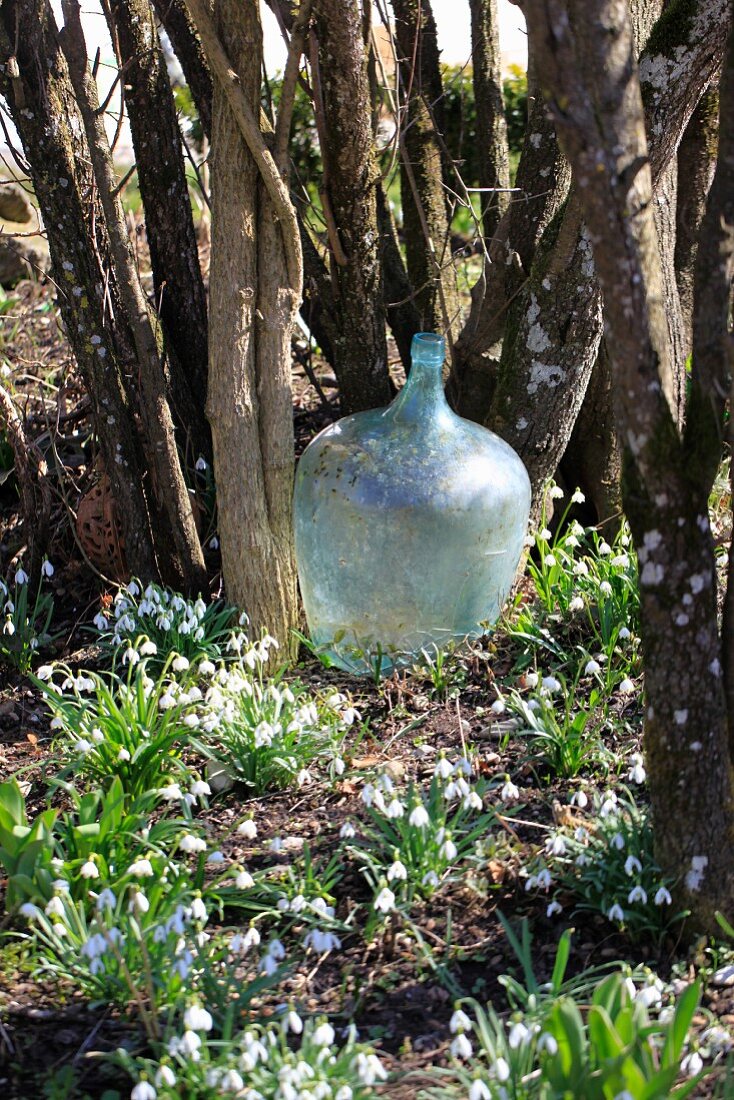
(45, 113)
(493, 153)
(179, 542)
(179, 288)
(187, 46)
(696, 164)
(592, 82)
(350, 183)
(426, 225)
(255, 285)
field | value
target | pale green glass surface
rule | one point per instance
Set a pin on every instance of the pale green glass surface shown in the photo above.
(409, 525)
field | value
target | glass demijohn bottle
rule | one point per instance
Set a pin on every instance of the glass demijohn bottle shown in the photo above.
(409, 525)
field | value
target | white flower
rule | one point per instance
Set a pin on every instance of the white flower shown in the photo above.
(555, 845)
(123, 754)
(216, 857)
(460, 1022)
(623, 633)
(170, 793)
(130, 656)
(592, 668)
(576, 604)
(199, 913)
(627, 687)
(201, 464)
(395, 808)
(106, 900)
(179, 664)
(479, 1090)
(430, 879)
(632, 865)
(45, 672)
(547, 1042)
(443, 768)
(143, 1091)
(198, 1019)
(244, 880)
(47, 569)
(293, 1022)
(550, 560)
(55, 907)
(247, 829)
(519, 1034)
(190, 843)
(448, 850)
(199, 788)
(323, 1035)
(531, 679)
(637, 773)
(553, 908)
(141, 868)
(662, 897)
(89, 870)
(692, 1064)
(139, 902)
(550, 683)
(231, 1081)
(21, 577)
(385, 900)
(419, 817)
(397, 871)
(461, 1047)
(165, 1076)
(555, 492)
(578, 497)
(616, 912)
(347, 831)
(580, 799)
(637, 894)
(509, 792)
(501, 1070)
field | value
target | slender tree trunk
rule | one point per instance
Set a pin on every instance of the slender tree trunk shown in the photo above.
(696, 164)
(493, 151)
(44, 109)
(402, 315)
(350, 185)
(426, 227)
(187, 46)
(181, 543)
(254, 288)
(179, 287)
(595, 95)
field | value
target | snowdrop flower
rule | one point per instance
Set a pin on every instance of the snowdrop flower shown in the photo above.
(165, 1076)
(592, 668)
(105, 900)
(623, 633)
(555, 845)
(247, 829)
(547, 1042)
(397, 872)
(275, 845)
(627, 687)
(419, 818)
(293, 1022)
(461, 1047)
(509, 792)
(479, 1091)
(395, 808)
(498, 707)
(632, 865)
(580, 799)
(139, 902)
(323, 1035)
(648, 996)
(143, 1091)
(531, 679)
(385, 900)
(89, 870)
(637, 894)
(198, 911)
(190, 843)
(198, 1019)
(199, 788)
(179, 664)
(45, 672)
(519, 1034)
(130, 656)
(244, 880)
(616, 913)
(322, 941)
(430, 879)
(692, 1064)
(29, 910)
(550, 683)
(21, 577)
(617, 842)
(448, 850)
(170, 793)
(347, 831)
(142, 868)
(460, 1022)
(553, 908)
(637, 773)
(662, 897)
(55, 907)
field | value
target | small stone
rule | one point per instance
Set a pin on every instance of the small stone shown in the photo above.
(395, 769)
(218, 777)
(724, 975)
(424, 750)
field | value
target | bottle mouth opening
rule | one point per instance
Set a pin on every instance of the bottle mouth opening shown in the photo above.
(429, 345)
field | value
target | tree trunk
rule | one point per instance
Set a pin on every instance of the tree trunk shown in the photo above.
(187, 46)
(178, 541)
(253, 301)
(179, 288)
(493, 152)
(426, 226)
(696, 164)
(350, 183)
(402, 315)
(45, 113)
(595, 95)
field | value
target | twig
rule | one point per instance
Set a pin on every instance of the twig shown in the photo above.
(288, 86)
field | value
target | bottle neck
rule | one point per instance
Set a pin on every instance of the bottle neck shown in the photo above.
(422, 397)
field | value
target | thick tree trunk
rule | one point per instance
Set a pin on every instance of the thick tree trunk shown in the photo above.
(592, 79)
(253, 299)
(427, 231)
(179, 287)
(493, 152)
(350, 183)
(44, 109)
(187, 45)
